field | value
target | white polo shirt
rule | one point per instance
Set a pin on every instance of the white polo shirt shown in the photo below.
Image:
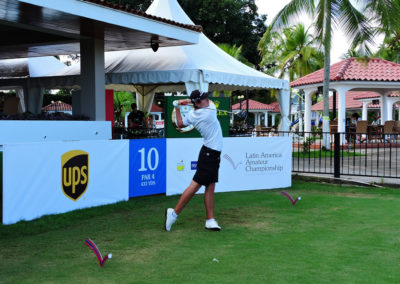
(206, 122)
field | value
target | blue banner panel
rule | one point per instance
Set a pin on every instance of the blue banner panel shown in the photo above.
(147, 167)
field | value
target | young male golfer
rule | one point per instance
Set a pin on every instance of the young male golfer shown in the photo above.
(204, 119)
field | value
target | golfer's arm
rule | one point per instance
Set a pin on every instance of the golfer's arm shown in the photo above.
(179, 118)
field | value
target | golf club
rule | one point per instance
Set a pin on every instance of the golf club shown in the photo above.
(241, 115)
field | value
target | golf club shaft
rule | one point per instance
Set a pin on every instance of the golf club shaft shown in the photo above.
(216, 109)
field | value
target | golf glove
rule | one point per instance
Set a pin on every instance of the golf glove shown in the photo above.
(175, 103)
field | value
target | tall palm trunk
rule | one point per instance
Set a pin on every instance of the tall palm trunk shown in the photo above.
(327, 69)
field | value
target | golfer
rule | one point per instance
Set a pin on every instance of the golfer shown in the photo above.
(204, 119)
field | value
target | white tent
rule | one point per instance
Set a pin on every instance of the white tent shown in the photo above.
(15, 74)
(29, 67)
(201, 66)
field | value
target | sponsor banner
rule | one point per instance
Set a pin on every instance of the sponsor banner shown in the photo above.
(57, 177)
(52, 130)
(159, 124)
(147, 173)
(172, 131)
(246, 163)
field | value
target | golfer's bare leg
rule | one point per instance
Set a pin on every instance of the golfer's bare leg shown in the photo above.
(186, 196)
(209, 200)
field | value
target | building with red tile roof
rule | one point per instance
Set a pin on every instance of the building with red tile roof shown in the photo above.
(259, 110)
(58, 106)
(353, 101)
(375, 75)
(253, 105)
(352, 69)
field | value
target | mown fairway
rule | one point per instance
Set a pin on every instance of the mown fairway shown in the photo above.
(335, 234)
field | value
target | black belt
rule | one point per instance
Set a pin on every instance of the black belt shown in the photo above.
(211, 150)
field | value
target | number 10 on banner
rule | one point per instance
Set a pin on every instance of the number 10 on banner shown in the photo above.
(152, 165)
(147, 169)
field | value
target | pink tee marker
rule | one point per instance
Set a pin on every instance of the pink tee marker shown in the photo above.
(290, 198)
(97, 252)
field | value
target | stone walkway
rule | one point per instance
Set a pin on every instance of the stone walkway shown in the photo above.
(356, 180)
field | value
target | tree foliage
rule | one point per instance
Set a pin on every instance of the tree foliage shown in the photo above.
(234, 22)
(293, 53)
(140, 5)
(356, 24)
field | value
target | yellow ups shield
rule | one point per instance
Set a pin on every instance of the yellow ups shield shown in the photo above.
(74, 173)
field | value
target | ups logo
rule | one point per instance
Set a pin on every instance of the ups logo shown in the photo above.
(74, 173)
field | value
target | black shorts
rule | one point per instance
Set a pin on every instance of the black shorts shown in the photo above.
(207, 166)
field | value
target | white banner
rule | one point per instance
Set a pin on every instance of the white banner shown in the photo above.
(17, 131)
(246, 163)
(57, 177)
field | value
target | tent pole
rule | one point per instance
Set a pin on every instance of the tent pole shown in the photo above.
(247, 106)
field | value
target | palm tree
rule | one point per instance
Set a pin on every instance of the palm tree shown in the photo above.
(292, 53)
(122, 104)
(235, 52)
(341, 13)
(390, 48)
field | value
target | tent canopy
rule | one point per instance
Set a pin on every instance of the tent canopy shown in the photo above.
(29, 67)
(204, 63)
(201, 66)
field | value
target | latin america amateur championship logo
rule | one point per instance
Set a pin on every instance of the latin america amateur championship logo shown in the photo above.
(230, 160)
(74, 173)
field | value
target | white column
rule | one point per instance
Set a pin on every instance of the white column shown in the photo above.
(266, 119)
(307, 109)
(35, 99)
(341, 91)
(398, 114)
(22, 102)
(364, 115)
(390, 102)
(273, 119)
(92, 99)
(383, 109)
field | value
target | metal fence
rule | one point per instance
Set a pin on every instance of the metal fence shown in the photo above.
(136, 133)
(350, 153)
(356, 154)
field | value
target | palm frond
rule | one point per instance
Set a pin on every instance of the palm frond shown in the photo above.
(293, 8)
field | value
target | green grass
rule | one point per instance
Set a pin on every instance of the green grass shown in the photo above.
(335, 234)
(324, 154)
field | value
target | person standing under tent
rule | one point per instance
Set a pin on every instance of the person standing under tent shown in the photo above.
(204, 118)
(136, 119)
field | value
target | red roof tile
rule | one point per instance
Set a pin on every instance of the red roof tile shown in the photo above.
(253, 105)
(352, 101)
(275, 107)
(104, 3)
(57, 106)
(156, 108)
(373, 95)
(352, 69)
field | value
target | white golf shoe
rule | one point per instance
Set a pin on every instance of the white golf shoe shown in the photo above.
(169, 219)
(212, 225)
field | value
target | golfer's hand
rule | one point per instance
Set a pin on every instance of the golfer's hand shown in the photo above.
(185, 102)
